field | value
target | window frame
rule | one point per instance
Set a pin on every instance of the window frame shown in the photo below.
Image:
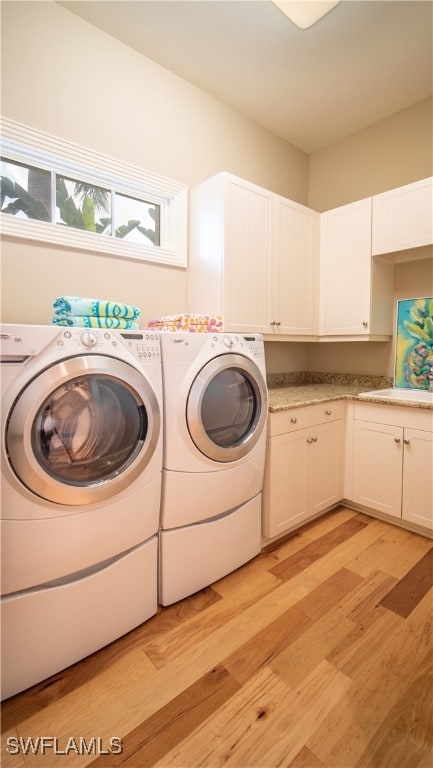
(30, 146)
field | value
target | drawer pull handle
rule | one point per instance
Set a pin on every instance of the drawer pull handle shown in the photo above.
(294, 420)
(328, 413)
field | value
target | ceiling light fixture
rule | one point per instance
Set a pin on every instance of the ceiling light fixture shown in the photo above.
(305, 13)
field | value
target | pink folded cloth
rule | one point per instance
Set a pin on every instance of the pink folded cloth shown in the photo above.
(186, 321)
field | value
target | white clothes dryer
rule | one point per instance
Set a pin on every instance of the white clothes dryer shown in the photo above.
(81, 462)
(215, 417)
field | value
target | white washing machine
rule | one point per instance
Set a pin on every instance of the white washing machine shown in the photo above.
(215, 416)
(81, 463)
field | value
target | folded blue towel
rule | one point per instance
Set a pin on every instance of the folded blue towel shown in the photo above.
(84, 321)
(77, 305)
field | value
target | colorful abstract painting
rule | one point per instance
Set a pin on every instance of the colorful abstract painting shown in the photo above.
(414, 343)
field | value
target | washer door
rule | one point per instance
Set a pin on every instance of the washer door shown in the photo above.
(83, 429)
(227, 407)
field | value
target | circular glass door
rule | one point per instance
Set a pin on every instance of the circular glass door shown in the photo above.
(85, 438)
(227, 407)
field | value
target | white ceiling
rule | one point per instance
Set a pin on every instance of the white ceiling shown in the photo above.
(364, 61)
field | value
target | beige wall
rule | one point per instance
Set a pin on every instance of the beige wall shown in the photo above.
(64, 76)
(391, 153)
(285, 357)
(414, 279)
(361, 357)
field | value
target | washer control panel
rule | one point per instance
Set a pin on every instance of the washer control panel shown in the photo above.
(143, 345)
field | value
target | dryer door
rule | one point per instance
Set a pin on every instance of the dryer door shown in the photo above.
(83, 429)
(227, 407)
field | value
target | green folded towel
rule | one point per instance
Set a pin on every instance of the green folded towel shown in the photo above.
(84, 321)
(82, 307)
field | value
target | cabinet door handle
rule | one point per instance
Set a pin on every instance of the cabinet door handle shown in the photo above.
(365, 324)
(397, 440)
(406, 441)
(294, 420)
(314, 439)
(272, 322)
(328, 413)
(278, 322)
(309, 440)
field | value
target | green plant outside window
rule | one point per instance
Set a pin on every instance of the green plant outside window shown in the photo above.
(35, 193)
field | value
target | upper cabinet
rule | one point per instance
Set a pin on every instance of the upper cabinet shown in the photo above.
(295, 272)
(244, 261)
(355, 290)
(269, 265)
(403, 218)
(253, 258)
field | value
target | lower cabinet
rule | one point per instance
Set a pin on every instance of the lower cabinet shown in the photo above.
(387, 452)
(377, 466)
(417, 500)
(304, 471)
(393, 462)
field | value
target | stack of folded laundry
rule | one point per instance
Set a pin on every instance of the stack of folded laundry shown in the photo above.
(80, 312)
(193, 323)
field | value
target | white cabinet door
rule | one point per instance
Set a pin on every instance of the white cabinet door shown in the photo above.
(392, 462)
(346, 269)
(403, 218)
(249, 227)
(295, 269)
(325, 466)
(418, 477)
(377, 466)
(285, 489)
(237, 269)
(304, 475)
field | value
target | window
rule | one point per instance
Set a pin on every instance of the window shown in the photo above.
(60, 193)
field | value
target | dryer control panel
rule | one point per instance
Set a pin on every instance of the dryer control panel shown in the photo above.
(237, 342)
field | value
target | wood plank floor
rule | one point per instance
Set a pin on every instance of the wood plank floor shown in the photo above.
(316, 654)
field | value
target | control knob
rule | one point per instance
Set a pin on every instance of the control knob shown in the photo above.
(228, 341)
(88, 339)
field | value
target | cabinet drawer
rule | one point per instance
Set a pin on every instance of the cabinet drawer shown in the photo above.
(288, 421)
(332, 410)
(305, 416)
(398, 415)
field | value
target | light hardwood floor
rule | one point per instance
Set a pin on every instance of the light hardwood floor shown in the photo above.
(318, 653)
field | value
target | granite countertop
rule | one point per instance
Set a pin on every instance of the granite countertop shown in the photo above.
(295, 390)
(283, 398)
